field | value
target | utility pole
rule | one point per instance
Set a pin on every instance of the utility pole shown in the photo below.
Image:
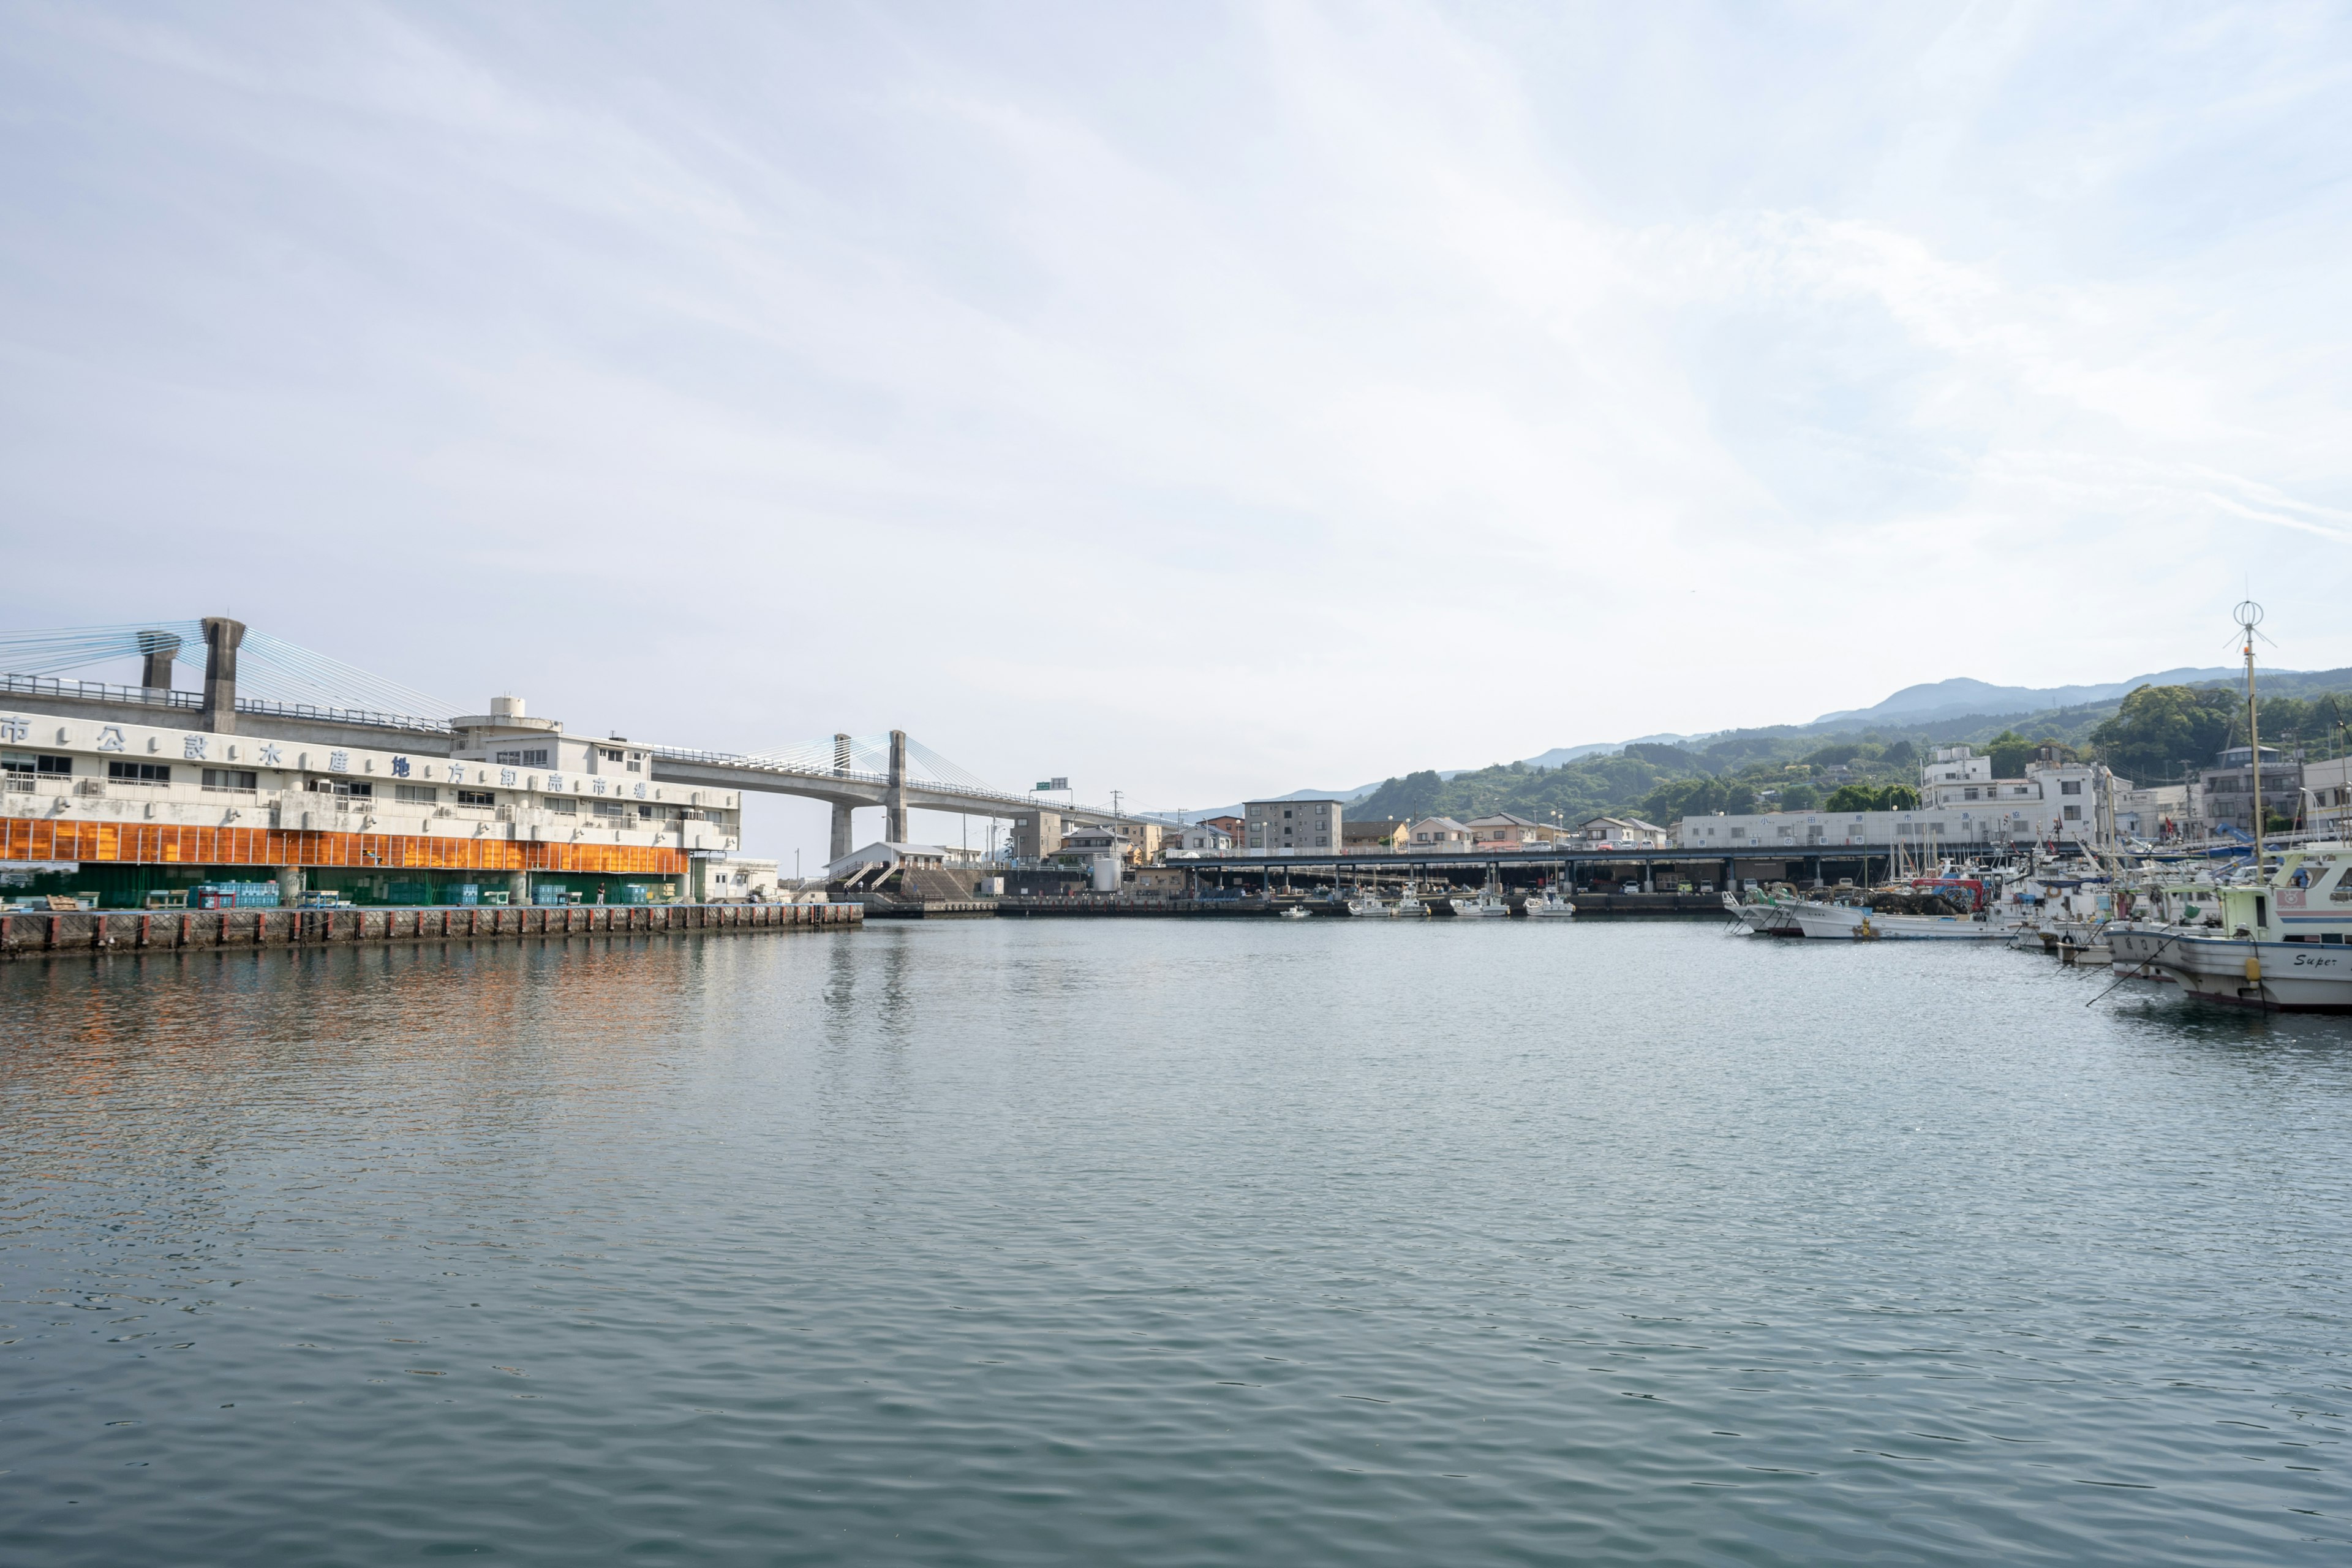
(2250, 615)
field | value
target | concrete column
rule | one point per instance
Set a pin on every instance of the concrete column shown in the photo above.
(518, 887)
(221, 638)
(894, 798)
(842, 830)
(289, 885)
(158, 649)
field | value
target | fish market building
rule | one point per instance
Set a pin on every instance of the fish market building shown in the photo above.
(1962, 806)
(518, 811)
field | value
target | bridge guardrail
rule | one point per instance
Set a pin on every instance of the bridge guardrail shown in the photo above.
(152, 696)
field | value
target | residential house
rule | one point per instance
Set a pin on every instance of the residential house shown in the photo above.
(1120, 843)
(1505, 831)
(1203, 837)
(1621, 833)
(1441, 836)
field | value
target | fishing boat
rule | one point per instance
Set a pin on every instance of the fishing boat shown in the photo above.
(1488, 905)
(2279, 937)
(1859, 922)
(2280, 942)
(1763, 916)
(1409, 903)
(1973, 894)
(1368, 905)
(1295, 913)
(1548, 905)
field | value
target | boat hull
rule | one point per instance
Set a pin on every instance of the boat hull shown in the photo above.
(2236, 972)
(1844, 923)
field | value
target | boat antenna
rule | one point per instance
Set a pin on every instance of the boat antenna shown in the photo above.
(2249, 615)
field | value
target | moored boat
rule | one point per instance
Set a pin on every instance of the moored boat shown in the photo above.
(2281, 942)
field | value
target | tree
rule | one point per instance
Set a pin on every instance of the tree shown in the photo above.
(2157, 728)
(2010, 752)
(1862, 797)
(1800, 798)
(1900, 754)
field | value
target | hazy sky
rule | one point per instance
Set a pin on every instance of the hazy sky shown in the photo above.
(1195, 401)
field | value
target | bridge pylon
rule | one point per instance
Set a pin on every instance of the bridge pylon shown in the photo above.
(894, 797)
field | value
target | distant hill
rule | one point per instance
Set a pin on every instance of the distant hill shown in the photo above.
(1938, 712)
(1955, 698)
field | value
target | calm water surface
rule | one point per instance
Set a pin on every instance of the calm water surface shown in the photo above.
(1164, 1242)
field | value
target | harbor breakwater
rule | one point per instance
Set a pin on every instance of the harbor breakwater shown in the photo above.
(39, 933)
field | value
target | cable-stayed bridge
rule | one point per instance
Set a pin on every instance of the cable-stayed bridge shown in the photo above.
(254, 683)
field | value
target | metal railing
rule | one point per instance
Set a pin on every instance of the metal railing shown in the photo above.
(854, 775)
(189, 701)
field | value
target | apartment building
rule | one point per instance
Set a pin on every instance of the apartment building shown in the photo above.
(1291, 827)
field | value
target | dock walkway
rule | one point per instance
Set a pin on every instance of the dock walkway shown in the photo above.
(39, 933)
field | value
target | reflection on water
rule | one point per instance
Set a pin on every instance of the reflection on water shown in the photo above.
(1162, 1242)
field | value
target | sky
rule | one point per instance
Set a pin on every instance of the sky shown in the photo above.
(1199, 402)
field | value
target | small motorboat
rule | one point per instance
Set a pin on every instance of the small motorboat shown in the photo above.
(1295, 913)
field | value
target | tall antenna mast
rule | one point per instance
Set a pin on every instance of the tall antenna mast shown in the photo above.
(2249, 615)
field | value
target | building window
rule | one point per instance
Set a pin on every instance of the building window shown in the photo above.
(1967, 795)
(1325, 839)
(33, 765)
(2071, 786)
(531, 758)
(609, 755)
(416, 794)
(2073, 813)
(241, 779)
(479, 798)
(129, 773)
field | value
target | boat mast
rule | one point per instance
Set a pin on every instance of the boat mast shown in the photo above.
(2250, 615)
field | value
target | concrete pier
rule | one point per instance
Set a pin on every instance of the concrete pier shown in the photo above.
(46, 934)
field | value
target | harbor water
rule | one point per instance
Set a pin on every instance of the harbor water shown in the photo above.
(1167, 1242)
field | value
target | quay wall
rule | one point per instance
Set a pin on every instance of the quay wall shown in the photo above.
(1107, 904)
(41, 933)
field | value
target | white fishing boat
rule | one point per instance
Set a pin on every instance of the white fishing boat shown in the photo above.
(1295, 913)
(1859, 922)
(1368, 906)
(1548, 905)
(1488, 905)
(1762, 916)
(1409, 903)
(2280, 940)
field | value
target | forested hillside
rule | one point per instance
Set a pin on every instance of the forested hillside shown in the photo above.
(2148, 737)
